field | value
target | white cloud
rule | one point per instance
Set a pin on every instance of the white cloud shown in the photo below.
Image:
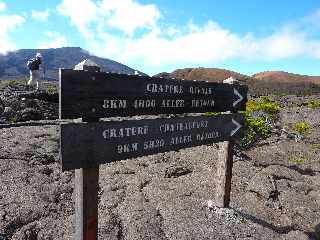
(81, 13)
(129, 15)
(124, 15)
(56, 40)
(2, 6)
(192, 44)
(199, 44)
(8, 23)
(283, 45)
(41, 15)
(206, 44)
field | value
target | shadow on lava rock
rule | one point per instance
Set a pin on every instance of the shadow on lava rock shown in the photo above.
(280, 230)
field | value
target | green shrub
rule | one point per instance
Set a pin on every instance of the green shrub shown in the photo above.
(257, 126)
(297, 160)
(270, 108)
(251, 105)
(259, 116)
(314, 104)
(265, 105)
(13, 83)
(208, 114)
(313, 146)
(51, 89)
(265, 99)
(13, 119)
(301, 127)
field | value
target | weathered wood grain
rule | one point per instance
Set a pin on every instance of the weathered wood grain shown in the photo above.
(99, 94)
(224, 173)
(86, 203)
(88, 144)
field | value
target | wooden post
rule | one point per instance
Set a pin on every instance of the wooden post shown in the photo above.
(86, 203)
(86, 188)
(224, 173)
(224, 166)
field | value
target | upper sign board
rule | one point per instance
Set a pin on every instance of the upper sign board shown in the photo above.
(99, 94)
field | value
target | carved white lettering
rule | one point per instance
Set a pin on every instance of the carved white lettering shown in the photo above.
(164, 88)
(180, 140)
(202, 103)
(171, 103)
(114, 104)
(182, 126)
(207, 135)
(142, 103)
(126, 148)
(157, 143)
(200, 90)
(124, 132)
(112, 133)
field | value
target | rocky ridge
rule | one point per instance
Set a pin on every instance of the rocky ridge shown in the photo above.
(207, 74)
(265, 83)
(13, 64)
(285, 76)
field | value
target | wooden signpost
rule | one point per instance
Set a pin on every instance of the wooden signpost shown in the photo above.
(93, 95)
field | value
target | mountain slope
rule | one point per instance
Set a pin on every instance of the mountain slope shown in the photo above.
(285, 76)
(259, 84)
(208, 74)
(13, 65)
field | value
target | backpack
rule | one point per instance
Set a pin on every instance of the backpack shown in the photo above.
(32, 64)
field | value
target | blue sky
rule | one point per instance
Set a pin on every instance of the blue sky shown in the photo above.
(246, 36)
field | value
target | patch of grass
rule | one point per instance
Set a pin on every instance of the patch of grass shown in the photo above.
(256, 126)
(314, 104)
(51, 89)
(270, 108)
(280, 94)
(260, 115)
(13, 83)
(314, 146)
(13, 119)
(209, 114)
(265, 98)
(297, 160)
(251, 105)
(265, 105)
(301, 127)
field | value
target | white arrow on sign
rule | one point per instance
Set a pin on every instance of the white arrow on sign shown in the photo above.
(235, 91)
(237, 128)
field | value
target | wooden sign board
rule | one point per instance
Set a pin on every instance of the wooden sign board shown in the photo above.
(99, 94)
(84, 145)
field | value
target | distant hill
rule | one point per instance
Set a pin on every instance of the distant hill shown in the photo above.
(207, 74)
(13, 64)
(264, 83)
(285, 76)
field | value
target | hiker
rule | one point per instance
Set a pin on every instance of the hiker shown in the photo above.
(34, 66)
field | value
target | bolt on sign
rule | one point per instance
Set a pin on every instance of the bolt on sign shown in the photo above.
(93, 95)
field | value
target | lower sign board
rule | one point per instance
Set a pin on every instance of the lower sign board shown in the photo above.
(89, 144)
